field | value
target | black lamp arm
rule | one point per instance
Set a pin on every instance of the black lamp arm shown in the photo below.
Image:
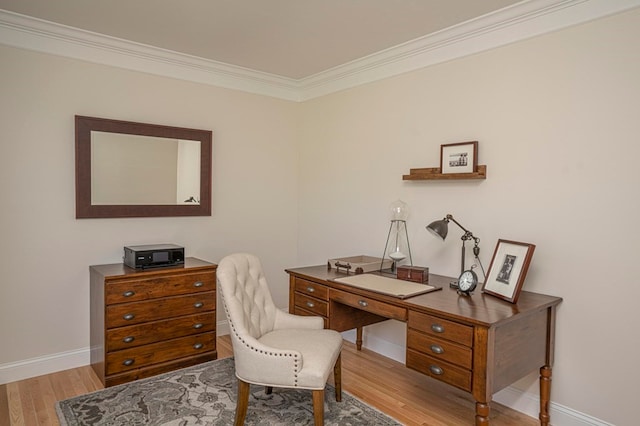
(467, 235)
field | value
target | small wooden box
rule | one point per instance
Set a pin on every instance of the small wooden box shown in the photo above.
(417, 274)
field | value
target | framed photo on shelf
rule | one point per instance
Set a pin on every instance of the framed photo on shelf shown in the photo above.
(508, 269)
(459, 157)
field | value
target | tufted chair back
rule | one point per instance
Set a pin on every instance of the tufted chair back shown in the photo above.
(246, 295)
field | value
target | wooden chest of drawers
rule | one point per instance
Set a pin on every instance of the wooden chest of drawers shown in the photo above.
(148, 322)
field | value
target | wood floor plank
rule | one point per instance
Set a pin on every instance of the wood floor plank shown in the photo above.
(406, 395)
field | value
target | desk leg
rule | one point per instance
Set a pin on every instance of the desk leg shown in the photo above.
(545, 394)
(359, 338)
(482, 413)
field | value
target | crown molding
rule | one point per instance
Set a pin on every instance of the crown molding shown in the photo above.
(515, 23)
(48, 37)
(523, 20)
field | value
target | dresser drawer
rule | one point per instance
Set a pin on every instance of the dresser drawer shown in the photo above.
(316, 290)
(143, 334)
(156, 287)
(439, 348)
(441, 328)
(152, 370)
(366, 304)
(439, 369)
(152, 310)
(312, 304)
(155, 353)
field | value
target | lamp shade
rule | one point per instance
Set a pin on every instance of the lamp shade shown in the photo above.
(439, 228)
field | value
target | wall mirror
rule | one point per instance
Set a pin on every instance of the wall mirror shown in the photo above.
(128, 169)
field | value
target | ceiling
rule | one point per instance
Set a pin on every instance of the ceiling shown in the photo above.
(288, 38)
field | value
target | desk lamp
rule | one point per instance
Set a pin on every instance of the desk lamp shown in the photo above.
(440, 228)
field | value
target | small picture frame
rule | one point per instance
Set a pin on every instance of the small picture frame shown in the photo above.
(459, 157)
(508, 269)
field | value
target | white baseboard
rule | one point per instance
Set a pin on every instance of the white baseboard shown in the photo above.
(47, 364)
(527, 403)
(14, 371)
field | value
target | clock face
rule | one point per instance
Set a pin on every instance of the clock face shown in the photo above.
(467, 281)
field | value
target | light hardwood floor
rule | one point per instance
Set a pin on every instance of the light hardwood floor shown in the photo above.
(406, 395)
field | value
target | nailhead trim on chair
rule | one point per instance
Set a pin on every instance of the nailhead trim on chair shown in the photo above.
(296, 358)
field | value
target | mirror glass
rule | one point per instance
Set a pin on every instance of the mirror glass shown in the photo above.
(127, 169)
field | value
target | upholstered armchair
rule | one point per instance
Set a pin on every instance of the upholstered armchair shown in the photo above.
(271, 347)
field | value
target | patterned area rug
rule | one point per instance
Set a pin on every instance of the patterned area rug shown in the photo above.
(205, 394)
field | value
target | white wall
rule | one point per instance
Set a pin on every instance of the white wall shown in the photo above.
(45, 252)
(557, 121)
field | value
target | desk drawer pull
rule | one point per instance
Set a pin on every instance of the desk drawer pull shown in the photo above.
(198, 326)
(128, 317)
(128, 362)
(310, 305)
(128, 339)
(437, 349)
(311, 289)
(436, 370)
(128, 293)
(437, 328)
(363, 303)
(198, 305)
(198, 284)
(198, 346)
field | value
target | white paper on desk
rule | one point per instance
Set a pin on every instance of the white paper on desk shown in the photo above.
(385, 285)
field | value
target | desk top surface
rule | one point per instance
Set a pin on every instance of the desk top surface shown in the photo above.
(479, 308)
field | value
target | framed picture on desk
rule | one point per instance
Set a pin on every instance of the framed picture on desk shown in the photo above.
(508, 269)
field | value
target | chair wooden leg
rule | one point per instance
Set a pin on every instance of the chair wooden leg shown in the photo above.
(318, 407)
(243, 402)
(268, 390)
(337, 378)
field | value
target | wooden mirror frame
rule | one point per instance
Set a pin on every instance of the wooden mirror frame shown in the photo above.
(84, 208)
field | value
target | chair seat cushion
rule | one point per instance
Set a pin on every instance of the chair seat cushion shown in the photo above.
(319, 348)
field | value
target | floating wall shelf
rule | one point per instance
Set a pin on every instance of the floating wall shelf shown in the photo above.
(433, 173)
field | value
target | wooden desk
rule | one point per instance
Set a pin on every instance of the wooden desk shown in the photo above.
(480, 344)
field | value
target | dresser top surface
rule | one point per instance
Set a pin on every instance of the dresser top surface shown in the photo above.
(120, 269)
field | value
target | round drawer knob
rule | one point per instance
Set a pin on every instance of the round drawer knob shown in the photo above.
(128, 362)
(198, 326)
(363, 303)
(128, 339)
(198, 346)
(128, 293)
(310, 304)
(311, 289)
(198, 284)
(128, 317)
(198, 305)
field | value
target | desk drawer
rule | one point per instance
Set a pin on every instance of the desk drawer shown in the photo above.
(312, 304)
(441, 328)
(370, 305)
(152, 310)
(439, 369)
(155, 353)
(316, 290)
(439, 348)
